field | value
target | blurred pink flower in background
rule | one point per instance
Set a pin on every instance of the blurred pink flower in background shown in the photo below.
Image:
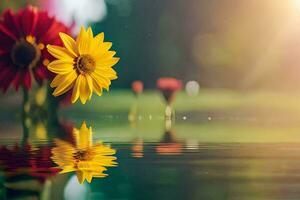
(137, 87)
(168, 87)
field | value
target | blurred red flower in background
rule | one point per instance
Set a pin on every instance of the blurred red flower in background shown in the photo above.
(168, 87)
(137, 87)
(23, 39)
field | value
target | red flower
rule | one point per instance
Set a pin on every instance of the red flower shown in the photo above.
(168, 87)
(23, 38)
(137, 87)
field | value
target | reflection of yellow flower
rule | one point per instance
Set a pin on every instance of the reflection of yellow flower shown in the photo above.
(87, 159)
(84, 65)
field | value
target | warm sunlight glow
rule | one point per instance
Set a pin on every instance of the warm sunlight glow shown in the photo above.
(296, 4)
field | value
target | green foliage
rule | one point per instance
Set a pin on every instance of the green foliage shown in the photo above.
(15, 4)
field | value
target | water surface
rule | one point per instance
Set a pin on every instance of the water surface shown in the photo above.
(203, 158)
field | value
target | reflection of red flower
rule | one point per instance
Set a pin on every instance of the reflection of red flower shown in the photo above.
(169, 145)
(137, 148)
(27, 160)
(65, 99)
(41, 164)
(67, 129)
(168, 86)
(169, 149)
(23, 38)
(137, 87)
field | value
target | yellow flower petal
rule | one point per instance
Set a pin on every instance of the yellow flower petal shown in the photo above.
(103, 150)
(84, 89)
(90, 85)
(69, 43)
(89, 176)
(61, 66)
(60, 52)
(66, 83)
(55, 82)
(84, 41)
(108, 73)
(107, 63)
(90, 33)
(80, 176)
(83, 137)
(97, 88)
(99, 175)
(76, 90)
(67, 169)
(106, 46)
(106, 161)
(61, 89)
(97, 42)
(101, 81)
(80, 36)
(101, 49)
(99, 38)
(91, 41)
(78, 85)
(105, 56)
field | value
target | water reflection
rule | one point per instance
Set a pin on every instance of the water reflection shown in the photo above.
(137, 148)
(169, 144)
(26, 170)
(173, 166)
(84, 157)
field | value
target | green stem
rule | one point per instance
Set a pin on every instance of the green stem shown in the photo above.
(52, 107)
(25, 115)
(168, 112)
(132, 115)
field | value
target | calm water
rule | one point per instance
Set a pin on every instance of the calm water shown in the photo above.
(203, 159)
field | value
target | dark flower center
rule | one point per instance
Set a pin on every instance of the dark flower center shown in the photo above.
(25, 54)
(86, 64)
(82, 155)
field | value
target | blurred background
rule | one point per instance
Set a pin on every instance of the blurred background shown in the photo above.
(243, 55)
(221, 44)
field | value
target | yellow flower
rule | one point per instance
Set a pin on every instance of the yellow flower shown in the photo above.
(84, 65)
(88, 160)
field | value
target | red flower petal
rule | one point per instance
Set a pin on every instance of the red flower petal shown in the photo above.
(168, 83)
(5, 72)
(5, 41)
(17, 80)
(43, 24)
(3, 64)
(4, 29)
(51, 36)
(29, 17)
(12, 22)
(4, 53)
